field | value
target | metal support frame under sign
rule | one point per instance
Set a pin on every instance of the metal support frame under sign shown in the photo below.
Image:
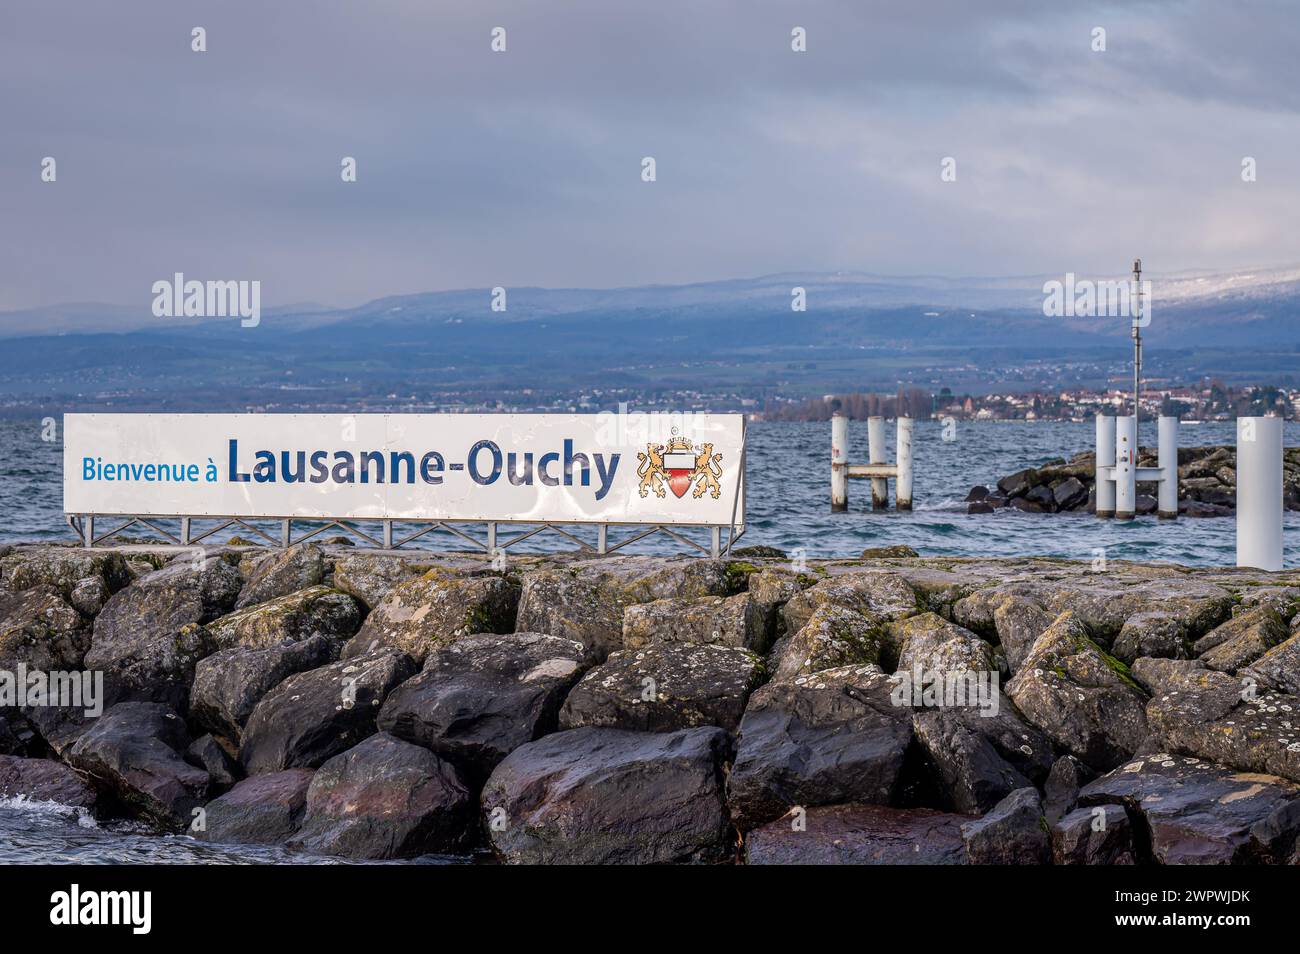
(393, 537)
(184, 530)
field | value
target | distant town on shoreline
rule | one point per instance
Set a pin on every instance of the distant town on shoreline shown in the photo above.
(1206, 401)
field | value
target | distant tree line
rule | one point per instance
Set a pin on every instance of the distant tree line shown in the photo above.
(908, 402)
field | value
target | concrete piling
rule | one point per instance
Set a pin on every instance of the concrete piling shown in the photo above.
(1125, 468)
(839, 463)
(876, 455)
(1259, 492)
(1105, 486)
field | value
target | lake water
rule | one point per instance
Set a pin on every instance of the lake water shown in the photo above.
(789, 497)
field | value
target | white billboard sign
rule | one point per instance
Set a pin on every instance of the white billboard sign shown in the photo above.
(600, 468)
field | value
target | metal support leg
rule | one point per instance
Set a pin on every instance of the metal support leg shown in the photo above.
(492, 539)
(90, 530)
(388, 534)
(185, 531)
(286, 534)
(602, 539)
(715, 547)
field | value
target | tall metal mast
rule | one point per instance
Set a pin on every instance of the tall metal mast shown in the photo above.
(1137, 340)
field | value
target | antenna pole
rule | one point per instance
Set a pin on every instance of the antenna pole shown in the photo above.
(1137, 339)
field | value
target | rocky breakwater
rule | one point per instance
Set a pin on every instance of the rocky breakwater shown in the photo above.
(1207, 484)
(886, 710)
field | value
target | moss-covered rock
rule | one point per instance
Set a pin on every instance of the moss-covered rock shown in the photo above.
(665, 687)
(39, 629)
(737, 621)
(833, 636)
(314, 611)
(1084, 699)
(421, 614)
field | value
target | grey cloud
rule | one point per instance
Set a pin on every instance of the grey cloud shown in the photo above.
(478, 169)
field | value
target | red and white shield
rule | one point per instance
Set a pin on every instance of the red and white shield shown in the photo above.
(679, 466)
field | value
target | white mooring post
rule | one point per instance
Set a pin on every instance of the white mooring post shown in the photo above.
(1259, 492)
(1125, 468)
(1167, 451)
(878, 471)
(1104, 483)
(903, 483)
(876, 455)
(839, 463)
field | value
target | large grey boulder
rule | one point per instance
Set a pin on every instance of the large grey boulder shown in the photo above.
(62, 568)
(1279, 668)
(833, 736)
(43, 780)
(293, 617)
(1198, 813)
(16, 734)
(370, 577)
(283, 572)
(977, 610)
(724, 621)
(481, 697)
(930, 644)
(1013, 832)
(230, 683)
(833, 636)
(606, 796)
(149, 636)
(1082, 698)
(1100, 835)
(585, 601)
(771, 588)
(1226, 719)
(207, 753)
(880, 595)
(266, 809)
(665, 688)
(1018, 622)
(313, 716)
(421, 614)
(859, 835)
(1242, 640)
(1061, 790)
(1153, 634)
(39, 629)
(134, 751)
(386, 798)
(88, 596)
(979, 757)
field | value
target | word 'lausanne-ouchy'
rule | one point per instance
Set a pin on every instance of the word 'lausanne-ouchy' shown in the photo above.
(484, 463)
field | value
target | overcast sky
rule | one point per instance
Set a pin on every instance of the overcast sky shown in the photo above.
(524, 168)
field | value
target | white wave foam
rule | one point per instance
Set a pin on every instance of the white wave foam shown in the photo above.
(37, 806)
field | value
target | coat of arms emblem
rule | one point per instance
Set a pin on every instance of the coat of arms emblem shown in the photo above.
(677, 466)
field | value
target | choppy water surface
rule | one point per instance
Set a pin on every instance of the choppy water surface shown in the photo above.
(48, 833)
(789, 497)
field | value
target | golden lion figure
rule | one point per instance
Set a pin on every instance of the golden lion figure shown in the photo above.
(708, 468)
(651, 471)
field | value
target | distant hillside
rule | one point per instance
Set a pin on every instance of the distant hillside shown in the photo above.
(859, 332)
